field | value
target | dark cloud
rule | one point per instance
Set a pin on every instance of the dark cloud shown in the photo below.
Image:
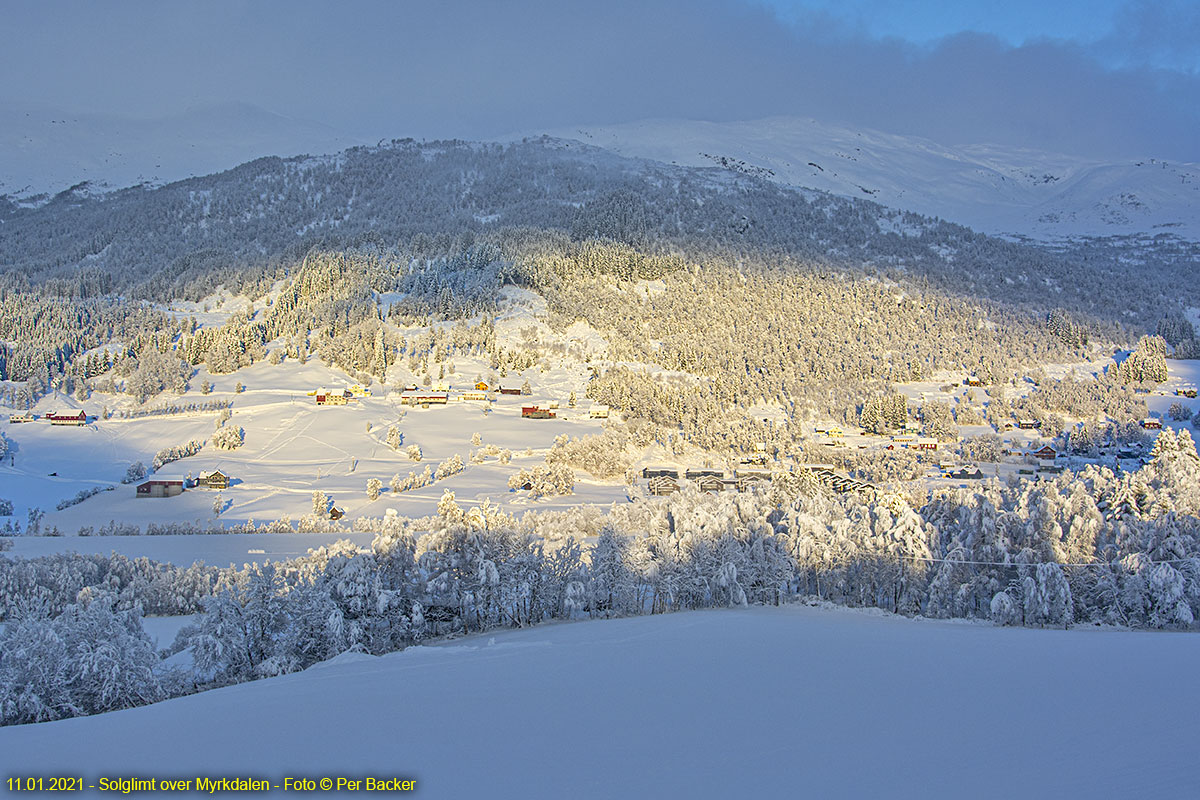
(477, 69)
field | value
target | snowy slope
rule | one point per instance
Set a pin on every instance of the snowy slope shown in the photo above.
(993, 189)
(46, 150)
(761, 702)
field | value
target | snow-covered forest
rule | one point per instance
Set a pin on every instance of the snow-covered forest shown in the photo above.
(1097, 548)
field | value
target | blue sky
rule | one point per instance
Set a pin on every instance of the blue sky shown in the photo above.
(1105, 78)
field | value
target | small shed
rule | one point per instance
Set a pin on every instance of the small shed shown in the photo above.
(159, 488)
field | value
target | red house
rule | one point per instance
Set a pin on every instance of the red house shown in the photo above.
(78, 418)
(533, 412)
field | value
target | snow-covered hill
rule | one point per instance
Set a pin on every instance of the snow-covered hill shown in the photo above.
(46, 150)
(993, 189)
(759, 702)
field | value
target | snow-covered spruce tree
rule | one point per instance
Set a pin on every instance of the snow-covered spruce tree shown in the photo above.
(374, 487)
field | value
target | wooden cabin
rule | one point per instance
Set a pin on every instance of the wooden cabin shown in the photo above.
(710, 483)
(661, 485)
(1028, 424)
(1152, 424)
(77, 418)
(658, 472)
(1045, 452)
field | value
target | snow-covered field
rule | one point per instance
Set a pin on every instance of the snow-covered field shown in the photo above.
(760, 702)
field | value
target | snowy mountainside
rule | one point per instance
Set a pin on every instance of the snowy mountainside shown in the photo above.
(649, 707)
(993, 189)
(46, 150)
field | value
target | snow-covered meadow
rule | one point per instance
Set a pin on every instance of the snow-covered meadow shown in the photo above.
(760, 702)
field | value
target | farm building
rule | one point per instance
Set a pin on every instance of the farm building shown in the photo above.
(159, 488)
(510, 391)
(212, 480)
(926, 443)
(1152, 424)
(77, 418)
(22, 417)
(661, 485)
(533, 412)
(476, 395)
(333, 397)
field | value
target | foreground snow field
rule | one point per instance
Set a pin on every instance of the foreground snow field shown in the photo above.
(759, 702)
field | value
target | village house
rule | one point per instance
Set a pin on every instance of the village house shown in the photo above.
(24, 416)
(76, 418)
(966, 473)
(1045, 452)
(481, 386)
(159, 488)
(1152, 424)
(533, 412)
(926, 443)
(598, 412)
(710, 483)
(1028, 424)
(216, 479)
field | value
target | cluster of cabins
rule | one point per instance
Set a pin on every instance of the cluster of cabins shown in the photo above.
(157, 487)
(441, 395)
(666, 480)
(76, 418)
